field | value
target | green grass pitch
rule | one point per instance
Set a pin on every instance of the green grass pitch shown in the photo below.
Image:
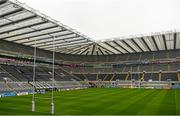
(102, 101)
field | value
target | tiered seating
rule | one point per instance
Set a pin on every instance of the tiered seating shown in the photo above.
(42, 75)
(15, 72)
(17, 78)
(162, 67)
(60, 84)
(175, 66)
(3, 87)
(91, 77)
(62, 75)
(6, 76)
(14, 86)
(146, 68)
(101, 76)
(120, 77)
(108, 77)
(67, 77)
(169, 77)
(81, 76)
(151, 76)
(26, 71)
(41, 85)
(162, 55)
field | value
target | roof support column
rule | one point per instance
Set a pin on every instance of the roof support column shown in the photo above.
(160, 75)
(178, 75)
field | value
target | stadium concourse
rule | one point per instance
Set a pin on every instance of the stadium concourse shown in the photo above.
(39, 54)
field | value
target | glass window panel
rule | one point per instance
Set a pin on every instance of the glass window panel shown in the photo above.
(124, 46)
(7, 7)
(22, 24)
(128, 41)
(141, 44)
(15, 33)
(157, 40)
(37, 33)
(149, 43)
(169, 40)
(22, 15)
(116, 46)
(43, 26)
(4, 21)
(108, 47)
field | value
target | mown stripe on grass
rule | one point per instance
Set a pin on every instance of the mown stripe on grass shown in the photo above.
(177, 100)
(152, 106)
(167, 105)
(92, 102)
(136, 103)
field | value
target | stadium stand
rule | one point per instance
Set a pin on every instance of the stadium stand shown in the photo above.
(79, 61)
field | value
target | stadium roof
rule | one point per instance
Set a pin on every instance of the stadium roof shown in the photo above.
(24, 25)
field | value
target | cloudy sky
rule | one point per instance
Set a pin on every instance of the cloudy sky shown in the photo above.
(103, 19)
